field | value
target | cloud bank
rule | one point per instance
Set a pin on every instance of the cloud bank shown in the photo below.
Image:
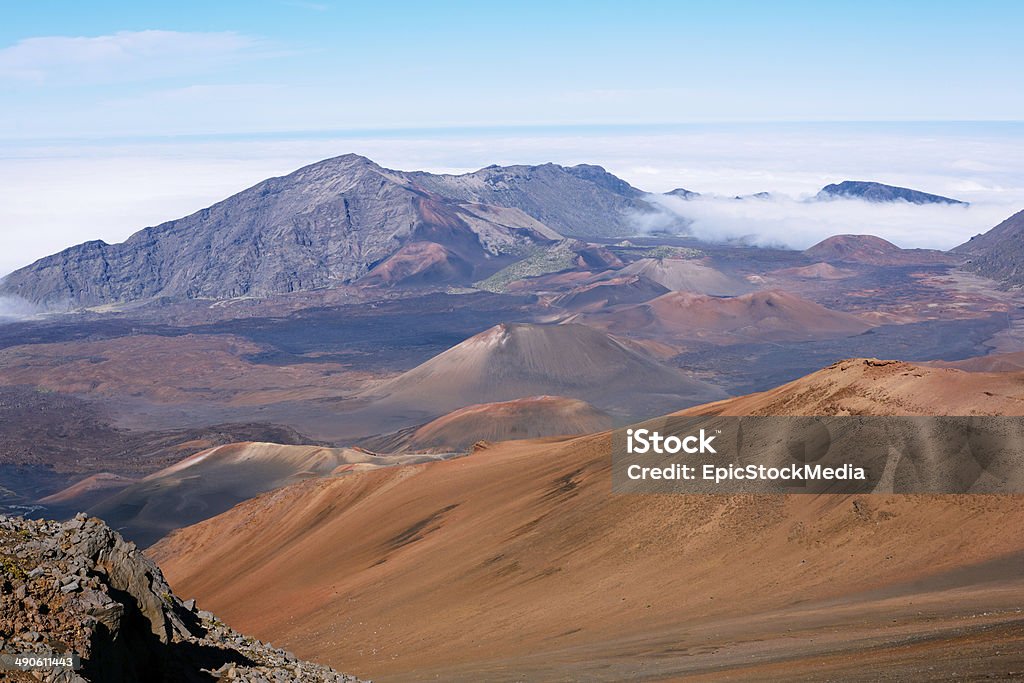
(53, 195)
(781, 221)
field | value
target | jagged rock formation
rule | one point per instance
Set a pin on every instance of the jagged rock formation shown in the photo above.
(998, 253)
(79, 588)
(334, 222)
(578, 201)
(878, 192)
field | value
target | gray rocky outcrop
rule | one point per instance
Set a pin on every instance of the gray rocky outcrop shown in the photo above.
(998, 253)
(79, 588)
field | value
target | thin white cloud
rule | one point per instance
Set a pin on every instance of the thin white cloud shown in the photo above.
(314, 6)
(120, 57)
(14, 308)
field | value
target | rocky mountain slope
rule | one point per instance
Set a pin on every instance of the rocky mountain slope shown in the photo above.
(577, 201)
(878, 192)
(998, 253)
(333, 222)
(79, 589)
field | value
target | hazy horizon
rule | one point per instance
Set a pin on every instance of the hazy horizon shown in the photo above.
(117, 115)
(68, 192)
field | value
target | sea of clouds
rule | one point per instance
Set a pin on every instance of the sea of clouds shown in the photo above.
(54, 194)
(783, 221)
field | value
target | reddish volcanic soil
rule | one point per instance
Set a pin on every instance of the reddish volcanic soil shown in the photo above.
(773, 316)
(999, 362)
(619, 290)
(523, 418)
(685, 275)
(211, 481)
(418, 263)
(88, 491)
(875, 251)
(882, 387)
(151, 367)
(816, 271)
(517, 563)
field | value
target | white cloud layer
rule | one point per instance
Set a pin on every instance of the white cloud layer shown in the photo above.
(56, 195)
(119, 57)
(785, 222)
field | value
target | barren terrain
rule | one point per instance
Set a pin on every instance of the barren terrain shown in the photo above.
(559, 579)
(378, 401)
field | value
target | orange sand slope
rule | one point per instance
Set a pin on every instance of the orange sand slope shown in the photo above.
(211, 481)
(522, 418)
(517, 563)
(867, 386)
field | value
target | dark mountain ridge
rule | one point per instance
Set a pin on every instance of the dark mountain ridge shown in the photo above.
(998, 253)
(333, 222)
(879, 192)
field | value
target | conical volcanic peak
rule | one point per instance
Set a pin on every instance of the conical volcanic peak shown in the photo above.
(511, 361)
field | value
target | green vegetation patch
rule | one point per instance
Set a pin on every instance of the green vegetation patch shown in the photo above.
(666, 251)
(538, 261)
(662, 251)
(11, 569)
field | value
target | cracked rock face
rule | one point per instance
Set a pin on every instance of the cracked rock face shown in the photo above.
(79, 588)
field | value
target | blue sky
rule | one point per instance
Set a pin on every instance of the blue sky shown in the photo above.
(112, 68)
(115, 115)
